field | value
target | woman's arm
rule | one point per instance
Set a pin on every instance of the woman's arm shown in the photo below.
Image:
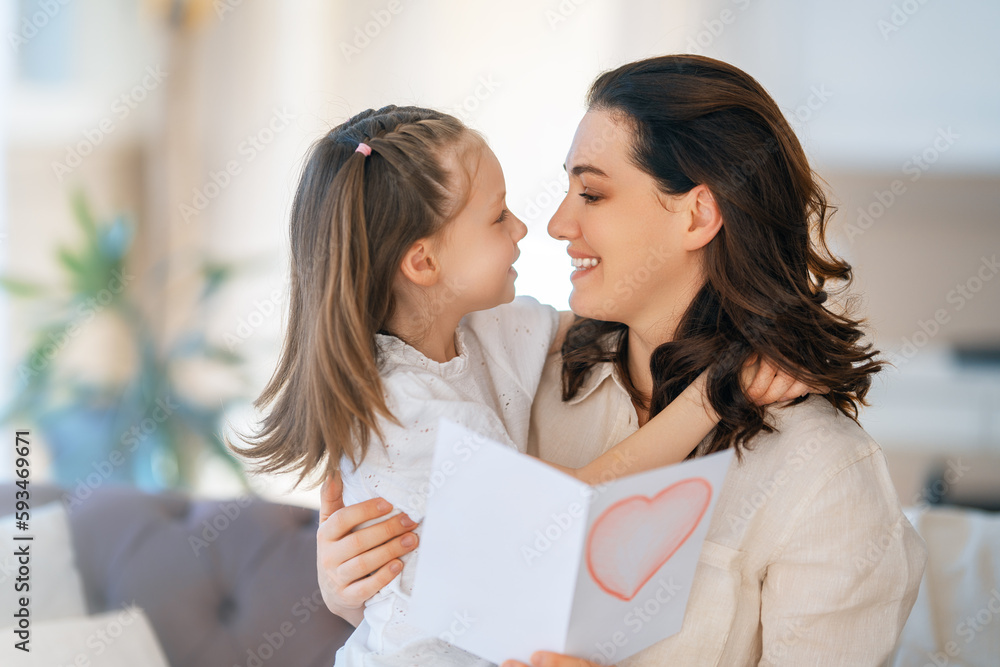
(844, 576)
(354, 565)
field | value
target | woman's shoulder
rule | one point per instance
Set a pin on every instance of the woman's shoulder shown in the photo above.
(815, 456)
(814, 438)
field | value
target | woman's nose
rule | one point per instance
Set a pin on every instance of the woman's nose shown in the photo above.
(562, 226)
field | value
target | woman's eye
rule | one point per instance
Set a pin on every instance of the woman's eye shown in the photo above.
(588, 198)
(503, 216)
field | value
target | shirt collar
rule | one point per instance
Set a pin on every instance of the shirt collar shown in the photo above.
(597, 374)
(396, 353)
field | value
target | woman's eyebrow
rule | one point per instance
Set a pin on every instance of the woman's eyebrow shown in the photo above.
(586, 169)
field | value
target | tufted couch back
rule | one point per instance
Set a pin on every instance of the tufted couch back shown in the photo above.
(224, 583)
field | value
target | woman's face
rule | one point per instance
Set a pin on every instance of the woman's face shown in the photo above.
(626, 238)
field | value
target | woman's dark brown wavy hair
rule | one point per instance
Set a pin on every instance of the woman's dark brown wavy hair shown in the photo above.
(695, 120)
(352, 220)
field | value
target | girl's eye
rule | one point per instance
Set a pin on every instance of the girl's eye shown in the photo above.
(503, 216)
(588, 198)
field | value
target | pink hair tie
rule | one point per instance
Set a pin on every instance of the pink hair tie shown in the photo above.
(364, 148)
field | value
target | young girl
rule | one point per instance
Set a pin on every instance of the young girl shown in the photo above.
(403, 312)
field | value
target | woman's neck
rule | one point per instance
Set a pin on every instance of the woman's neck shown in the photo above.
(640, 351)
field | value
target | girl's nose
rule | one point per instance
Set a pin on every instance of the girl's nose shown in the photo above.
(518, 230)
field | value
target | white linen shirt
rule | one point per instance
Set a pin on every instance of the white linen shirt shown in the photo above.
(808, 559)
(489, 388)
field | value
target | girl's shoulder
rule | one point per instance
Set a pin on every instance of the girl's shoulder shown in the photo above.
(523, 321)
(515, 338)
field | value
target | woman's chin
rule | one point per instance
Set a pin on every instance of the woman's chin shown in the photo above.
(585, 305)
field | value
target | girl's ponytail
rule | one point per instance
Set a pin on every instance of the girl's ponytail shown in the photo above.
(353, 218)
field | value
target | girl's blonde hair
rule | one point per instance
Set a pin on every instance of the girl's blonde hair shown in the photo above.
(352, 220)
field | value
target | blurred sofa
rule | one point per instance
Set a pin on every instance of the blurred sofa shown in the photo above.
(223, 583)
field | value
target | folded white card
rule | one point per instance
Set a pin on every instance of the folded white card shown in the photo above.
(517, 557)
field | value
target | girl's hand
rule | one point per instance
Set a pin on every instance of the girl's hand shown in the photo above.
(353, 566)
(765, 383)
(547, 659)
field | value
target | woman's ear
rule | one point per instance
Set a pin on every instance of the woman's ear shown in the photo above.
(420, 266)
(706, 219)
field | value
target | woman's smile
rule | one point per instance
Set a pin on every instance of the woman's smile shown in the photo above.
(582, 264)
(582, 267)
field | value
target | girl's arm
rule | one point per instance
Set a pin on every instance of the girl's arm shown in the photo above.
(665, 439)
(676, 430)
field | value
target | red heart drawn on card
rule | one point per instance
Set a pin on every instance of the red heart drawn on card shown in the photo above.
(633, 538)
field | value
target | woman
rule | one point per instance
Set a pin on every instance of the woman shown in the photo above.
(706, 226)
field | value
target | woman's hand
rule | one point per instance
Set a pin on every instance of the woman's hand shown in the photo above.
(547, 659)
(353, 566)
(765, 383)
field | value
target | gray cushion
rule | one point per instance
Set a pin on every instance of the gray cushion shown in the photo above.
(223, 582)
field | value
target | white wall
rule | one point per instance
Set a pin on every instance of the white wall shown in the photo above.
(896, 71)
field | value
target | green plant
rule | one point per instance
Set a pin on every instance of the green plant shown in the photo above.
(142, 429)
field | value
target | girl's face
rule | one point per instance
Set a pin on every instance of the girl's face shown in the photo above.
(626, 238)
(479, 245)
